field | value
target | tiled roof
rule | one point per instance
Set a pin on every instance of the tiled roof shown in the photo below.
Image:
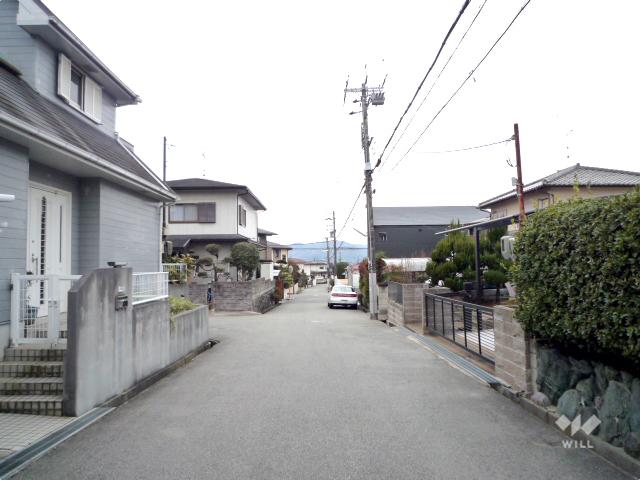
(190, 183)
(20, 101)
(277, 245)
(267, 233)
(576, 174)
(206, 184)
(399, 216)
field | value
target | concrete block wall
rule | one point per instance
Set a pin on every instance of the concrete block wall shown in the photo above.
(109, 350)
(514, 351)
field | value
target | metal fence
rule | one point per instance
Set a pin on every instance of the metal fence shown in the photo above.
(395, 292)
(177, 272)
(466, 324)
(150, 286)
(39, 307)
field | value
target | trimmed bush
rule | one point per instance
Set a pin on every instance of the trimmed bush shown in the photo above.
(578, 275)
(180, 304)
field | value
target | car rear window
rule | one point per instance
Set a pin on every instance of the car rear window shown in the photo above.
(342, 289)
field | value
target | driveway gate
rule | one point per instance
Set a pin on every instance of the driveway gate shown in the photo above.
(468, 325)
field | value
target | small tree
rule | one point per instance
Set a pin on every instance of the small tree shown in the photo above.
(341, 269)
(246, 258)
(214, 250)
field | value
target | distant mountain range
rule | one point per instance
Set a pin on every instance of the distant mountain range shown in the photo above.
(347, 252)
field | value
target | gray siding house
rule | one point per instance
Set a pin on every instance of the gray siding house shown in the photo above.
(410, 232)
(81, 197)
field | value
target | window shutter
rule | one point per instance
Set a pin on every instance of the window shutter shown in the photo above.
(207, 213)
(92, 99)
(239, 215)
(64, 77)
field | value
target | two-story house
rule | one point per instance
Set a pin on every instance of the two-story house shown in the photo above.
(81, 195)
(576, 180)
(209, 211)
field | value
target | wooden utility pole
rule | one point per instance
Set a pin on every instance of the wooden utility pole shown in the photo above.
(520, 185)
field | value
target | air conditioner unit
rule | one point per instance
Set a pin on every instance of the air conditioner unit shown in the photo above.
(506, 247)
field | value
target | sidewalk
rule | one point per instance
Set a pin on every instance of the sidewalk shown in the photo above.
(17, 432)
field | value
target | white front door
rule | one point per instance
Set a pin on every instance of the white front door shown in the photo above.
(49, 243)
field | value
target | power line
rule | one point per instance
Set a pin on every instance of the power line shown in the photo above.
(462, 84)
(349, 216)
(434, 83)
(444, 42)
(469, 148)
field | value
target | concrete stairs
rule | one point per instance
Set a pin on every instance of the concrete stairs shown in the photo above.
(31, 380)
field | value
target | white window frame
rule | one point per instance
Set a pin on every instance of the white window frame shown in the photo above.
(91, 90)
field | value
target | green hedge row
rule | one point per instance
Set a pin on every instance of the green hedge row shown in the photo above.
(577, 273)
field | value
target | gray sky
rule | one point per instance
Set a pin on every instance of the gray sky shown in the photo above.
(257, 88)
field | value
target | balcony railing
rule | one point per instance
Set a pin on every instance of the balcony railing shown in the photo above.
(149, 287)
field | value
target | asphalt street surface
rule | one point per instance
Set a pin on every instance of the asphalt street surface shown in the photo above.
(308, 392)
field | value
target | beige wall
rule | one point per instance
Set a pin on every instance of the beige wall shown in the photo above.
(510, 206)
(226, 215)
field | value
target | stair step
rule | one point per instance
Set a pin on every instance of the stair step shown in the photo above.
(34, 354)
(31, 404)
(31, 386)
(31, 369)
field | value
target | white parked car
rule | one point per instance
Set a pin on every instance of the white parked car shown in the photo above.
(343, 295)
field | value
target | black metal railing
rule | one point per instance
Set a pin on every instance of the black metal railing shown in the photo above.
(468, 325)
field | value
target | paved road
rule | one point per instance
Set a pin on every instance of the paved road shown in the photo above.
(308, 392)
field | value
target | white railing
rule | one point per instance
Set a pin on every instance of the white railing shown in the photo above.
(39, 307)
(149, 287)
(177, 272)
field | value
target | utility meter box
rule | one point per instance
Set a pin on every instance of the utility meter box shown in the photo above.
(122, 300)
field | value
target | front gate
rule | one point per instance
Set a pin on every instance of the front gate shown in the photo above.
(468, 325)
(39, 308)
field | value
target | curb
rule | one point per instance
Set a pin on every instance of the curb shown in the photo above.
(616, 456)
(19, 460)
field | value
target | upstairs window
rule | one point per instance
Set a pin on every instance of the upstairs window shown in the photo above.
(192, 213)
(76, 87)
(382, 236)
(79, 89)
(242, 216)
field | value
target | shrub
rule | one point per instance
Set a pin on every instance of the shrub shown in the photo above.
(577, 272)
(453, 258)
(246, 258)
(180, 304)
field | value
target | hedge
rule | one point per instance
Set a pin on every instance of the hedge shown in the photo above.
(577, 273)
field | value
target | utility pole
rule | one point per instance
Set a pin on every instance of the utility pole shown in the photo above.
(520, 184)
(375, 96)
(335, 249)
(164, 179)
(328, 263)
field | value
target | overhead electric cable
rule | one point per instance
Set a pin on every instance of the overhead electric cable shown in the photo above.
(444, 42)
(468, 148)
(432, 85)
(462, 84)
(349, 216)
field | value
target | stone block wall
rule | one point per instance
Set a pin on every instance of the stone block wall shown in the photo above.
(243, 296)
(514, 352)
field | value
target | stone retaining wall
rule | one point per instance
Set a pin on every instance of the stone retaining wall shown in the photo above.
(575, 385)
(243, 296)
